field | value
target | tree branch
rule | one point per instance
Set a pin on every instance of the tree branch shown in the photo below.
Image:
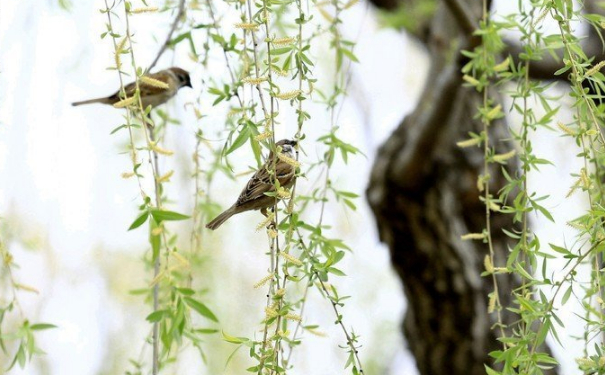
(463, 15)
(179, 14)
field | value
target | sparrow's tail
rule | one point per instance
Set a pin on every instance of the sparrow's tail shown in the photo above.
(90, 101)
(220, 219)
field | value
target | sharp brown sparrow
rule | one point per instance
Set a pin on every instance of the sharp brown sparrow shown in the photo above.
(174, 77)
(253, 196)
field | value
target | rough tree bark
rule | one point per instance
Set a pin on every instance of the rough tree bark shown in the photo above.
(423, 191)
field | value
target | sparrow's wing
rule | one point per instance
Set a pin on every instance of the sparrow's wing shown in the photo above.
(285, 173)
(262, 183)
(146, 89)
(256, 187)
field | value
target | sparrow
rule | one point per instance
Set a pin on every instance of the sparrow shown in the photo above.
(253, 196)
(174, 77)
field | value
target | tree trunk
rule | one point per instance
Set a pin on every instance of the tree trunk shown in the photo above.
(423, 191)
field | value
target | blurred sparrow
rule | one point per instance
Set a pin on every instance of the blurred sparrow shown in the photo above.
(152, 93)
(253, 196)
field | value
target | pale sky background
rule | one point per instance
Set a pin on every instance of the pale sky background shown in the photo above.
(60, 187)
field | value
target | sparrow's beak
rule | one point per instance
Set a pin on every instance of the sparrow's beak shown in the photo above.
(188, 84)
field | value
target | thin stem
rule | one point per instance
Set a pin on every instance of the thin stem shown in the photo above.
(179, 14)
(487, 196)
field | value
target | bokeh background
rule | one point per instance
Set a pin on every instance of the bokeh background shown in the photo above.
(65, 210)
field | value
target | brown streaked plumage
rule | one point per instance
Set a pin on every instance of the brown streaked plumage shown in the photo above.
(253, 196)
(174, 77)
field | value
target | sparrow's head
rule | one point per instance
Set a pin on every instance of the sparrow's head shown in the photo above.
(183, 76)
(287, 145)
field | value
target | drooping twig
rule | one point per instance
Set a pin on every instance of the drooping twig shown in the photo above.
(179, 14)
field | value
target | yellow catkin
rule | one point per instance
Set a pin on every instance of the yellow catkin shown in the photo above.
(494, 206)
(541, 17)
(472, 236)
(288, 95)
(491, 306)
(125, 102)
(504, 157)
(283, 41)
(283, 193)
(263, 281)
(176, 255)
(118, 52)
(270, 313)
(154, 82)
(469, 142)
(234, 111)
(254, 81)
(281, 73)
(263, 136)
(324, 13)
(316, 332)
(160, 150)
(595, 69)
(157, 279)
(494, 112)
(144, 10)
(480, 183)
(249, 26)
(471, 80)
(157, 231)
(350, 4)
(27, 288)
(288, 160)
(7, 259)
(487, 263)
(573, 189)
(272, 233)
(280, 292)
(322, 285)
(165, 177)
(293, 317)
(503, 66)
(585, 362)
(291, 259)
(585, 179)
(126, 175)
(567, 130)
(267, 221)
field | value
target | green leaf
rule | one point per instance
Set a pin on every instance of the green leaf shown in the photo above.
(154, 240)
(233, 339)
(139, 220)
(349, 54)
(566, 295)
(186, 291)
(205, 331)
(239, 141)
(42, 326)
(156, 316)
(161, 215)
(489, 371)
(202, 309)
(336, 271)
